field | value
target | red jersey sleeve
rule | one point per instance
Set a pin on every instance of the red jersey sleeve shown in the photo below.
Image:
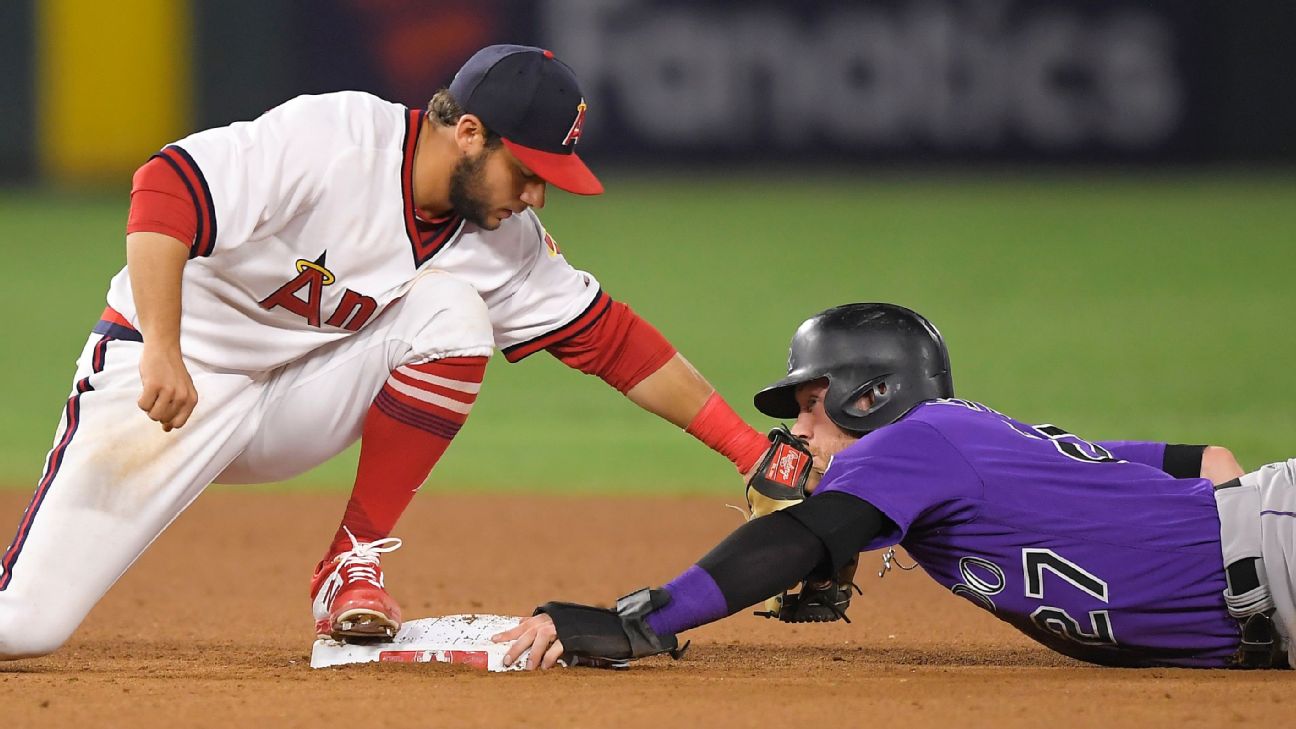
(619, 347)
(162, 203)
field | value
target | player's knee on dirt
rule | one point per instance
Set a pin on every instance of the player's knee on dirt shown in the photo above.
(445, 317)
(28, 632)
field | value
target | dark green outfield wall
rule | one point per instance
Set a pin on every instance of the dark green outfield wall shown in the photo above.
(17, 90)
(840, 83)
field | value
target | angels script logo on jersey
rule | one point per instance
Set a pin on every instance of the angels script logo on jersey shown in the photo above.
(303, 295)
(573, 134)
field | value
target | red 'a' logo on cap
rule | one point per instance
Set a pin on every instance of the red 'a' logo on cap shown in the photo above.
(573, 134)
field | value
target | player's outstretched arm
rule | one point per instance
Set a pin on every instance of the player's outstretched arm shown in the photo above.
(1214, 463)
(680, 394)
(759, 559)
(676, 392)
(155, 262)
(628, 353)
(607, 636)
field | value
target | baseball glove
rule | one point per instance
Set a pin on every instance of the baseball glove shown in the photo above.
(780, 476)
(818, 601)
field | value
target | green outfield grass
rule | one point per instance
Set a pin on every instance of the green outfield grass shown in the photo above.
(1115, 306)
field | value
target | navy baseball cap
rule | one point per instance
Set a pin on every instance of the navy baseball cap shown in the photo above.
(534, 102)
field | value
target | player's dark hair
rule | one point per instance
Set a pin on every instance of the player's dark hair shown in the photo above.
(444, 110)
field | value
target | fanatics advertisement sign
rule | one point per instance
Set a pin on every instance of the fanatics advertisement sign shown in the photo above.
(817, 81)
(727, 81)
(943, 78)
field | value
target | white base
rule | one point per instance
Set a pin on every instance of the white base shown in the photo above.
(461, 639)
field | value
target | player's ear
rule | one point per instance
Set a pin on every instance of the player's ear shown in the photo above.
(470, 134)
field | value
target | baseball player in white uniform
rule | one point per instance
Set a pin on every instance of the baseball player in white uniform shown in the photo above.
(339, 268)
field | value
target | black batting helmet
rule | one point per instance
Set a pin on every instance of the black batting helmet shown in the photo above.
(859, 347)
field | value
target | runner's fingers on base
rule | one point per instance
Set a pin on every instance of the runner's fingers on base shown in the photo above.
(512, 634)
(523, 635)
(520, 644)
(539, 644)
(542, 644)
(552, 655)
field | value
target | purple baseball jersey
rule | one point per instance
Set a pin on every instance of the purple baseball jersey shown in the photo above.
(1089, 548)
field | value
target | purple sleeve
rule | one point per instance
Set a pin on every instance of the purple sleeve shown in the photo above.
(909, 472)
(696, 599)
(1137, 451)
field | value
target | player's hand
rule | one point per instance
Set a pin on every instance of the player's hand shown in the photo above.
(537, 633)
(168, 394)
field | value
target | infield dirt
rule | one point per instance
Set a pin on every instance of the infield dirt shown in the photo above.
(211, 629)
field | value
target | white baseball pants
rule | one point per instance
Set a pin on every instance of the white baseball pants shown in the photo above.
(1258, 519)
(113, 480)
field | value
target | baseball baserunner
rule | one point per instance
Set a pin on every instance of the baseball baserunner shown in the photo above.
(1115, 552)
(339, 268)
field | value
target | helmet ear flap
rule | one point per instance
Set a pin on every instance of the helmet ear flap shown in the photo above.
(848, 405)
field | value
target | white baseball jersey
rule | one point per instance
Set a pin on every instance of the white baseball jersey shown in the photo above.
(310, 285)
(307, 231)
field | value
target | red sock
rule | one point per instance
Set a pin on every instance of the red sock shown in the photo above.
(408, 427)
